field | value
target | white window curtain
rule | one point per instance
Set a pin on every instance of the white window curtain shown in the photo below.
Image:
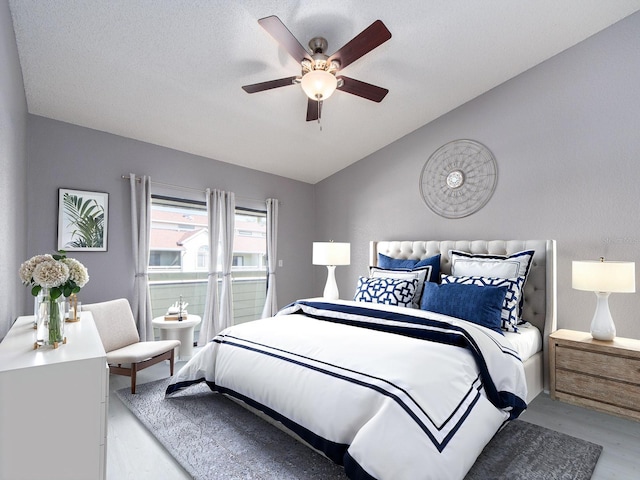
(211, 304)
(227, 220)
(140, 232)
(271, 302)
(218, 311)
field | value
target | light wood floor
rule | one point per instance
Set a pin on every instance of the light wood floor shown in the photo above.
(133, 453)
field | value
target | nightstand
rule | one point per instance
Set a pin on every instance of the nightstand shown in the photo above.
(596, 374)
(179, 330)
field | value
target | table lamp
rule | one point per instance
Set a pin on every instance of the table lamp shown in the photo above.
(603, 278)
(331, 254)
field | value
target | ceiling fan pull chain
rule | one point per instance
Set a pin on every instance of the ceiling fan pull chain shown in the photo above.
(319, 113)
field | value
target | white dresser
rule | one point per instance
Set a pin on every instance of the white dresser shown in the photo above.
(53, 404)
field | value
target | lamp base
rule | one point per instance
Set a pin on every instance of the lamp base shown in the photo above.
(602, 327)
(331, 287)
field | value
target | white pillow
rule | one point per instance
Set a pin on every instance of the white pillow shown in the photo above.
(464, 264)
(421, 274)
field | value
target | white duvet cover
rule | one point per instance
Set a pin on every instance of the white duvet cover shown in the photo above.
(388, 392)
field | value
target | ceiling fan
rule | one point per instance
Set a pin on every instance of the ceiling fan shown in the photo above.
(318, 78)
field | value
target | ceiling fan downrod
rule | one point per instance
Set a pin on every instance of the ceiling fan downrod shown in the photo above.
(319, 102)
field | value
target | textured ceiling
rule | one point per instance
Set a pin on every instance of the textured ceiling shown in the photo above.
(170, 72)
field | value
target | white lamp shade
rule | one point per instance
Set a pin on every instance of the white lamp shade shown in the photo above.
(604, 276)
(331, 253)
(319, 84)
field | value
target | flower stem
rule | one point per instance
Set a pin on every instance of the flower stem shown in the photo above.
(55, 333)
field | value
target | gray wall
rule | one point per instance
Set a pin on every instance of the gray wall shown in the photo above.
(13, 191)
(68, 156)
(566, 136)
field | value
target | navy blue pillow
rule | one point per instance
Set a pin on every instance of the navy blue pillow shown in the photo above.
(409, 264)
(481, 305)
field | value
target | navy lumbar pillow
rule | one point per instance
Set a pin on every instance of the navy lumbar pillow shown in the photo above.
(481, 305)
(410, 264)
(510, 318)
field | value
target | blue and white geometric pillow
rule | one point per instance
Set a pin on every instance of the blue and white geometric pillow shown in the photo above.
(510, 307)
(421, 274)
(390, 291)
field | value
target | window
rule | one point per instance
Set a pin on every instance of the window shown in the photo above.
(249, 270)
(178, 242)
(164, 258)
(179, 258)
(203, 257)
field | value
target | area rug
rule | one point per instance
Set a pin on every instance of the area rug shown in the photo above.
(214, 438)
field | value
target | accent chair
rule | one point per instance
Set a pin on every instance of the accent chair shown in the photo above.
(126, 354)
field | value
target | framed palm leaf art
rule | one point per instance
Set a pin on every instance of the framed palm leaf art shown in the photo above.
(82, 220)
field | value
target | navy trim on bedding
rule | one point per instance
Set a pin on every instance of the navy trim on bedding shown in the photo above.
(477, 384)
(421, 328)
(354, 470)
(336, 452)
(333, 450)
(180, 385)
(438, 444)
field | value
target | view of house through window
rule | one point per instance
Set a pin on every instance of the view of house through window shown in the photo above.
(179, 258)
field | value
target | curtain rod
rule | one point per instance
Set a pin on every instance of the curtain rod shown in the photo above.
(170, 185)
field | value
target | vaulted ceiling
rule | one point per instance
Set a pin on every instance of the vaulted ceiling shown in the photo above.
(170, 72)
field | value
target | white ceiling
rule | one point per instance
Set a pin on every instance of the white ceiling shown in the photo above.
(169, 72)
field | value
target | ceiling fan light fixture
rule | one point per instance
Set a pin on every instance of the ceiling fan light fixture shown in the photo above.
(319, 84)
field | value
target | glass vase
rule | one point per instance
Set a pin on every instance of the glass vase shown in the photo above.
(49, 320)
(37, 300)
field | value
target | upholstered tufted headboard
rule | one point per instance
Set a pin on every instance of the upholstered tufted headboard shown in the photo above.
(539, 291)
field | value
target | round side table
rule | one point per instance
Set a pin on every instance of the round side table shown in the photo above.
(183, 331)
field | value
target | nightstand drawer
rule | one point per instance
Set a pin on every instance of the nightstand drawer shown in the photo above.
(602, 365)
(624, 395)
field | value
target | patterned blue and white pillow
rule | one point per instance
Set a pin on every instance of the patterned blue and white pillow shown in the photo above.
(389, 291)
(421, 274)
(510, 308)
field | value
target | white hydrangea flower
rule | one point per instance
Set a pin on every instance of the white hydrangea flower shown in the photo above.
(27, 268)
(54, 271)
(51, 273)
(77, 272)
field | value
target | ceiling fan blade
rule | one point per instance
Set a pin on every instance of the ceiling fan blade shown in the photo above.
(281, 33)
(312, 110)
(259, 87)
(371, 37)
(362, 89)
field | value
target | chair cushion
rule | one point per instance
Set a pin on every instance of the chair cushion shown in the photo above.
(115, 323)
(138, 352)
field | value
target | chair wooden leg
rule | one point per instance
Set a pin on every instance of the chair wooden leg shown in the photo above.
(134, 369)
(171, 360)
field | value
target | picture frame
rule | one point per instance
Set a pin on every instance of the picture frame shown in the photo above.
(82, 220)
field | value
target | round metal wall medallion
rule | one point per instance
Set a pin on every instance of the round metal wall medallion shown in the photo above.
(455, 179)
(459, 178)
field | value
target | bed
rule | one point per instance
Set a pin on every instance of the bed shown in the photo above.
(388, 391)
